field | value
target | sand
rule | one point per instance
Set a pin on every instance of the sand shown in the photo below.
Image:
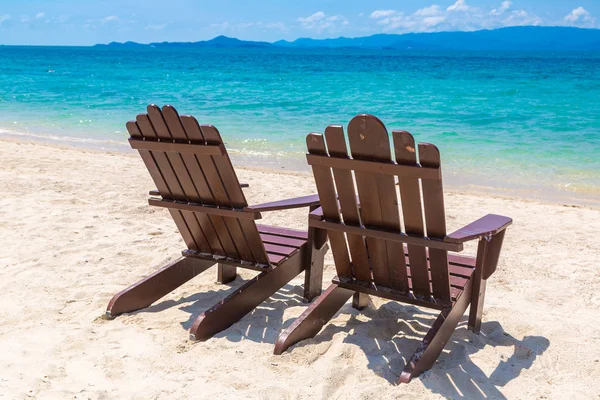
(76, 228)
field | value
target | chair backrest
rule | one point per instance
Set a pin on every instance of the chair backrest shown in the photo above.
(194, 176)
(357, 188)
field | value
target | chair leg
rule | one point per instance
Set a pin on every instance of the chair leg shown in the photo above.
(314, 317)
(479, 284)
(436, 338)
(360, 301)
(226, 273)
(315, 258)
(145, 292)
(488, 253)
(476, 311)
(245, 299)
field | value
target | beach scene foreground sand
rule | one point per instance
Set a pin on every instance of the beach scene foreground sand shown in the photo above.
(76, 229)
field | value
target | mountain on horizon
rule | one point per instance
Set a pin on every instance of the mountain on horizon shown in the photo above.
(531, 38)
(217, 42)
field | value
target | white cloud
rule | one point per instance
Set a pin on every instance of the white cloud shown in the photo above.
(222, 26)
(4, 17)
(61, 19)
(430, 22)
(319, 15)
(521, 17)
(245, 25)
(319, 22)
(505, 5)
(460, 5)
(277, 25)
(579, 15)
(382, 13)
(260, 25)
(109, 19)
(422, 20)
(463, 17)
(502, 9)
(428, 11)
(156, 27)
(110, 22)
(26, 19)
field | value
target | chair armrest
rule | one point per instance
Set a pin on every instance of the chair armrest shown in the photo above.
(317, 214)
(298, 202)
(155, 192)
(489, 225)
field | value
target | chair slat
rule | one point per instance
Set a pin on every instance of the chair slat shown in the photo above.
(153, 169)
(208, 222)
(329, 204)
(231, 184)
(220, 225)
(266, 238)
(172, 147)
(175, 124)
(281, 231)
(379, 205)
(215, 196)
(393, 169)
(389, 236)
(191, 160)
(182, 174)
(435, 220)
(159, 167)
(163, 163)
(278, 249)
(344, 183)
(175, 159)
(244, 233)
(410, 195)
(275, 259)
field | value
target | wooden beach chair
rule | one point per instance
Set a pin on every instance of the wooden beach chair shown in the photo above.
(196, 182)
(378, 253)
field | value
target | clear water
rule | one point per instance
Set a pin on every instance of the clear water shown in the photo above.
(516, 120)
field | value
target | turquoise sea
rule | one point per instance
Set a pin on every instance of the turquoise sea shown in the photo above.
(514, 121)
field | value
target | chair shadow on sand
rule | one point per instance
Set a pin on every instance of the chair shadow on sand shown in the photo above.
(261, 325)
(388, 336)
(392, 332)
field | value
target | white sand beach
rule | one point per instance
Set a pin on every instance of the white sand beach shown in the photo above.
(76, 228)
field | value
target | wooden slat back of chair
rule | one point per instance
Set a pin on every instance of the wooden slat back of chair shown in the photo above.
(188, 162)
(340, 183)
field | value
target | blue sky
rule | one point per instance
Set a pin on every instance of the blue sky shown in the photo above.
(85, 22)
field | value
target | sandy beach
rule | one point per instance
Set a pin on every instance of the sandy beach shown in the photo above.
(76, 229)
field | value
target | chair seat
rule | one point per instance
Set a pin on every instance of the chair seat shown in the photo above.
(460, 268)
(281, 243)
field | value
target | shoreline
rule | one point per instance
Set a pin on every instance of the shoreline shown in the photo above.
(452, 184)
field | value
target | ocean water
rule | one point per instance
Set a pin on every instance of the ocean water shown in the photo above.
(513, 121)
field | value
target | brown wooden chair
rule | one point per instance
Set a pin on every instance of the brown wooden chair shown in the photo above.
(196, 182)
(376, 253)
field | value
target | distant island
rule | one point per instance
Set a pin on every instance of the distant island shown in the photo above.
(531, 38)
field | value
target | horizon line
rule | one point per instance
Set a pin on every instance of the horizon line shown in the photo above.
(299, 38)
